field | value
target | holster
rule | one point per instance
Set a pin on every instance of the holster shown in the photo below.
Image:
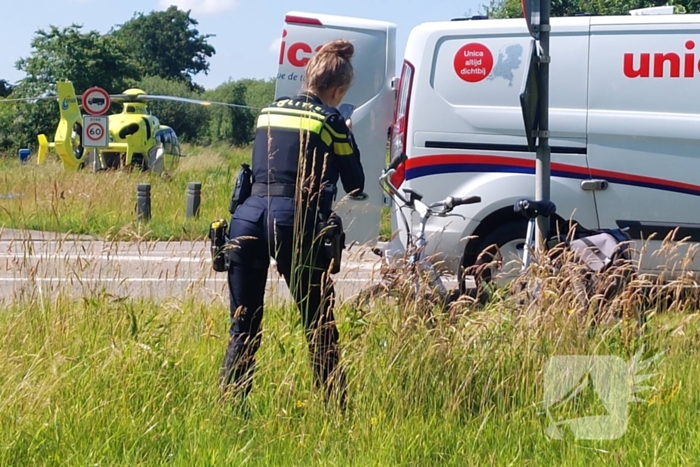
(332, 238)
(242, 189)
(333, 246)
(219, 239)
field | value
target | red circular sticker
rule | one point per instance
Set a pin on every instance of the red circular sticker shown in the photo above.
(473, 62)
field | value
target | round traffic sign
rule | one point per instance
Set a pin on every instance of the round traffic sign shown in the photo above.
(96, 101)
(95, 131)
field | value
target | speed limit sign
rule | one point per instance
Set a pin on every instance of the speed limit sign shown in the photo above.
(95, 132)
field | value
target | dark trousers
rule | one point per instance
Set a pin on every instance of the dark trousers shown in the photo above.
(261, 228)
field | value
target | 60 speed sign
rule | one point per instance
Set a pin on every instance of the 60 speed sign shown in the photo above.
(95, 132)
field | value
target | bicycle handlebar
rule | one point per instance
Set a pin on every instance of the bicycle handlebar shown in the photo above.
(396, 161)
(447, 204)
(469, 200)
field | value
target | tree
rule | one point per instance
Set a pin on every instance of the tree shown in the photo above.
(188, 120)
(5, 88)
(164, 44)
(259, 93)
(231, 124)
(86, 59)
(513, 8)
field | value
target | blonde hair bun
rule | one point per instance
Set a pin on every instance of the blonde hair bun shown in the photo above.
(330, 67)
(341, 47)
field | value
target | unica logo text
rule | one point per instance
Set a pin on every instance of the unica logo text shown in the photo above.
(660, 65)
(297, 54)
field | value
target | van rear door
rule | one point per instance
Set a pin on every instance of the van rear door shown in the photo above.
(374, 64)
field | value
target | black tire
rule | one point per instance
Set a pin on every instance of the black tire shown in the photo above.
(79, 149)
(487, 252)
(112, 160)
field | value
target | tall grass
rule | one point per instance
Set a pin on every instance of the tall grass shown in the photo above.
(107, 380)
(103, 205)
(48, 198)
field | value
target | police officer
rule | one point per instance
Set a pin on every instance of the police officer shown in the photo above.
(302, 147)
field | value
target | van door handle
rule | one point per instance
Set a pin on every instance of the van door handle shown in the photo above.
(594, 184)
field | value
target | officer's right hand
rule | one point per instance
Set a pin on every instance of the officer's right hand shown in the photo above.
(348, 122)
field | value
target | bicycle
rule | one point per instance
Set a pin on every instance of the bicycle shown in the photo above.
(414, 277)
(595, 268)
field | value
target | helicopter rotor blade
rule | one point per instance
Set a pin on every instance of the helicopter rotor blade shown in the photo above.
(141, 97)
(193, 101)
(25, 99)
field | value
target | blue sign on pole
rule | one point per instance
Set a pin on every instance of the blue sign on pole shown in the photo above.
(24, 155)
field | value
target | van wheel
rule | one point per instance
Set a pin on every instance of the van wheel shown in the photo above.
(500, 254)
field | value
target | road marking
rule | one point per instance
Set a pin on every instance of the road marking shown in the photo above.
(167, 259)
(107, 257)
(142, 279)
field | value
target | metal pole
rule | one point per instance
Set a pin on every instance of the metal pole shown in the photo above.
(143, 202)
(95, 164)
(542, 164)
(193, 199)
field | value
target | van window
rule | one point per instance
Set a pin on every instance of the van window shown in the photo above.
(166, 142)
(175, 144)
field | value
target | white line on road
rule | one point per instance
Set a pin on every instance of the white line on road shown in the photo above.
(163, 259)
(143, 279)
(55, 256)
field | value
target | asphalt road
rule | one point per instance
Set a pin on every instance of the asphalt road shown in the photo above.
(42, 264)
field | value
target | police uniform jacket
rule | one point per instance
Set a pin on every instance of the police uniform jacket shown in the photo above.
(302, 145)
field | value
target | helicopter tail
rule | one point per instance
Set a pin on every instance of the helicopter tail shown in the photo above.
(44, 146)
(67, 142)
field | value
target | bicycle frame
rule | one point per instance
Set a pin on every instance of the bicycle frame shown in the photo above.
(529, 243)
(415, 244)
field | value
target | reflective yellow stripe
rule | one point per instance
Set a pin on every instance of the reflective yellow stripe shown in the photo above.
(326, 137)
(342, 149)
(335, 133)
(290, 122)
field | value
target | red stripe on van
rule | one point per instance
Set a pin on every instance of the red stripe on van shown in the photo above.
(290, 19)
(643, 179)
(445, 159)
(431, 165)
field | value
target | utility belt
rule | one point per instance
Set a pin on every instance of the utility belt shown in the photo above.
(280, 190)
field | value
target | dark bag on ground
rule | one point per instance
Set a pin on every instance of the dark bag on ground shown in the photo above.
(607, 257)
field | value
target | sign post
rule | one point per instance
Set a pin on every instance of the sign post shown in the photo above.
(96, 102)
(534, 99)
(95, 135)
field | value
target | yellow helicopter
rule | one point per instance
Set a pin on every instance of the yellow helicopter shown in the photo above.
(136, 138)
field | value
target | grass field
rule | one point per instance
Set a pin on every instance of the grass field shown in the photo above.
(108, 380)
(47, 198)
(127, 382)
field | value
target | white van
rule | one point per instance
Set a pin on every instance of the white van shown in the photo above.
(624, 124)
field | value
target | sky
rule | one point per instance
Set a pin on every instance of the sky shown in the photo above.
(246, 32)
